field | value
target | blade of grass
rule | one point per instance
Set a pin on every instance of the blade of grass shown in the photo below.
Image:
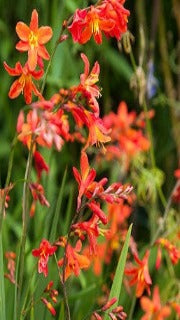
(58, 208)
(61, 313)
(117, 282)
(2, 289)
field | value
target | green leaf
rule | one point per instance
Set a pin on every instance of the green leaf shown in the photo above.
(2, 290)
(58, 208)
(117, 282)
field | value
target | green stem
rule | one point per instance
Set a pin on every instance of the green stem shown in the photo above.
(58, 41)
(168, 205)
(68, 315)
(133, 303)
(25, 219)
(22, 314)
(49, 65)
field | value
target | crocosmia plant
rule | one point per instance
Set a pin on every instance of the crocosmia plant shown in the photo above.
(90, 160)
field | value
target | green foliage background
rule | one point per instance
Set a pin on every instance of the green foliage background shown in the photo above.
(116, 72)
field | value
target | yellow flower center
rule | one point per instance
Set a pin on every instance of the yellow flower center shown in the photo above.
(95, 26)
(33, 39)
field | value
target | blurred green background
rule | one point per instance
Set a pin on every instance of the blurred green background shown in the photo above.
(155, 26)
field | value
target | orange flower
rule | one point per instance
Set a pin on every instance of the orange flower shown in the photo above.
(174, 252)
(88, 85)
(98, 134)
(140, 275)
(33, 40)
(75, 261)
(24, 84)
(153, 309)
(84, 179)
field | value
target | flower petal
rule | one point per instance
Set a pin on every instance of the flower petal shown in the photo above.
(23, 31)
(44, 34)
(22, 46)
(43, 53)
(28, 91)
(13, 71)
(32, 58)
(15, 89)
(34, 21)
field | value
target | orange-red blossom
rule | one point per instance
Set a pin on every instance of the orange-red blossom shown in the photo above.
(24, 84)
(140, 275)
(153, 308)
(75, 261)
(43, 252)
(32, 39)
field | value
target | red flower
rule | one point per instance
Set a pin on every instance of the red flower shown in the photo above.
(45, 250)
(84, 179)
(109, 17)
(115, 11)
(40, 164)
(153, 308)
(140, 275)
(33, 40)
(24, 84)
(90, 228)
(90, 23)
(75, 261)
(95, 207)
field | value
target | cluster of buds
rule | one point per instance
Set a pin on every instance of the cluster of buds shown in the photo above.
(51, 294)
(115, 313)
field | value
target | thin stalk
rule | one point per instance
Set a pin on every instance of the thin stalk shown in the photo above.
(133, 304)
(68, 315)
(58, 41)
(49, 65)
(22, 314)
(162, 225)
(25, 219)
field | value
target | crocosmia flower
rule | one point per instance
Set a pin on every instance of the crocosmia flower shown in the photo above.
(153, 309)
(140, 275)
(32, 39)
(75, 261)
(110, 17)
(43, 252)
(24, 83)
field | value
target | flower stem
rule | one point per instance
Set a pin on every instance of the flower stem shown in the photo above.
(167, 208)
(68, 315)
(58, 41)
(133, 304)
(25, 219)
